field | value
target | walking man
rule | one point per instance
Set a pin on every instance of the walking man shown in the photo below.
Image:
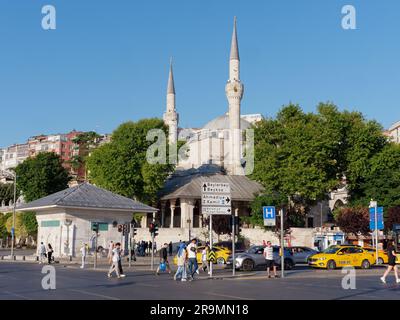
(163, 259)
(83, 254)
(114, 261)
(269, 259)
(110, 249)
(192, 255)
(42, 253)
(391, 263)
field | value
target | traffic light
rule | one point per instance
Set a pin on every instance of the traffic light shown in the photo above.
(134, 232)
(155, 230)
(151, 227)
(125, 229)
(120, 228)
(95, 227)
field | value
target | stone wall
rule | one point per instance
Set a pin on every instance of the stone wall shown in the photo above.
(298, 236)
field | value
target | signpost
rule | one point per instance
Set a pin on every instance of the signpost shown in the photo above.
(216, 199)
(375, 223)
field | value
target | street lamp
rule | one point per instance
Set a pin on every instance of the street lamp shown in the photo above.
(14, 177)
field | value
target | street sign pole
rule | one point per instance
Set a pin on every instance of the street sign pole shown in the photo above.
(152, 251)
(376, 233)
(211, 247)
(95, 252)
(282, 248)
(130, 245)
(233, 244)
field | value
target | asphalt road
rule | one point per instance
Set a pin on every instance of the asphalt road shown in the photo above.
(23, 281)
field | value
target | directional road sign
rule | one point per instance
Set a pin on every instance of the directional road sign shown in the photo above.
(216, 198)
(379, 218)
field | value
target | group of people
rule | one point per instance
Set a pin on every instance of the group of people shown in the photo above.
(186, 260)
(143, 248)
(45, 253)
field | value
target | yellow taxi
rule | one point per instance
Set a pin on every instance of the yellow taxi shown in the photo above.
(382, 255)
(342, 256)
(221, 255)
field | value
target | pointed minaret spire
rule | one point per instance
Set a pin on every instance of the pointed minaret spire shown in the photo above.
(234, 44)
(171, 117)
(171, 86)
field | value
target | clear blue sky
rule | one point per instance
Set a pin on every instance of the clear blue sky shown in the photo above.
(107, 62)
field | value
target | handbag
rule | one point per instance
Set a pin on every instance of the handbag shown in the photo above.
(163, 266)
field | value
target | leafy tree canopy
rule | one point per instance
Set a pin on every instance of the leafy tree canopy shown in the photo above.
(42, 175)
(121, 166)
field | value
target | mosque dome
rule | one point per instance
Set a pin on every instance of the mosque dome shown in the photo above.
(222, 122)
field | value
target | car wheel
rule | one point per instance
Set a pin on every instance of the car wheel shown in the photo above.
(365, 264)
(220, 260)
(380, 261)
(331, 265)
(248, 265)
(288, 264)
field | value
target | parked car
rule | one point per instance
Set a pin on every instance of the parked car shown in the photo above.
(342, 256)
(239, 246)
(301, 254)
(253, 258)
(382, 255)
(221, 255)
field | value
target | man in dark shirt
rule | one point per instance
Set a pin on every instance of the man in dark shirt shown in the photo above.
(163, 259)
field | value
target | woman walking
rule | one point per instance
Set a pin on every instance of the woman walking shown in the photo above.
(182, 255)
(204, 259)
(49, 252)
(391, 263)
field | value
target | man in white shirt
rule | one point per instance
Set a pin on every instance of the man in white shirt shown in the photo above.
(42, 252)
(269, 259)
(115, 259)
(192, 257)
(83, 254)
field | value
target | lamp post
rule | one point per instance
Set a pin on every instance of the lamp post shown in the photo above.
(14, 177)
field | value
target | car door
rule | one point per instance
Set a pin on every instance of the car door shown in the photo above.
(259, 258)
(344, 258)
(302, 255)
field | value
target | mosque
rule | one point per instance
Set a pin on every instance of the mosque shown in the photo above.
(216, 152)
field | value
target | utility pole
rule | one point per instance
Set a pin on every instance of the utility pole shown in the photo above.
(130, 245)
(211, 246)
(13, 219)
(233, 243)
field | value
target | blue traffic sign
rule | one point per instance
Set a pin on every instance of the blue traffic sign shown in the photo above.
(12, 231)
(379, 215)
(269, 212)
(269, 215)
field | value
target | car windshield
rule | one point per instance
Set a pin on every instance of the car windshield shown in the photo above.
(254, 249)
(331, 250)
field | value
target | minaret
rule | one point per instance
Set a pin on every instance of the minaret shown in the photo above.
(234, 93)
(171, 117)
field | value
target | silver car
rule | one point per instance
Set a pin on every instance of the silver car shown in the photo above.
(253, 258)
(301, 254)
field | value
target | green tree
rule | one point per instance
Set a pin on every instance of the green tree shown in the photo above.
(40, 176)
(381, 181)
(7, 192)
(121, 166)
(305, 155)
(4, 233)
